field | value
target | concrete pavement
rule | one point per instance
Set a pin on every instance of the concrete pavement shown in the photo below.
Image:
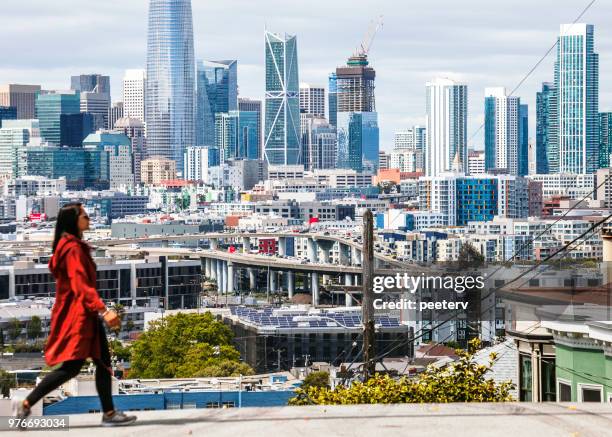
(439, 420)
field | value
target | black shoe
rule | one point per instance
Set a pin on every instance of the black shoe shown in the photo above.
(119, 418)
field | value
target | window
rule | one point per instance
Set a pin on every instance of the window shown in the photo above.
(590, 392)
(564, 391)
(526, 379)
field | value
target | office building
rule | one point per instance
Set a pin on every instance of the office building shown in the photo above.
(134, 129)
(605, 139)
(217, 85)
(170, 91)
(318, 143)
(250, 105)
(120, 157)
(83, 168)
(312, 100)
(22, 97)
(157, 169)
(198, 160)
(74, 128)
(547, 126)
(226, 135)
(502, 140)
(523, 151)
(114, 113)
(446, 107)
(49, 109)
(98, 106)
(282, 119)
(7, 113)
(94, 83)
(133, 93)
(332, 98)
(384, 160)
(406, 160)
(577, 85)
(358, 141)
(414, 138)
(14, 136)
(355, 86)
(476, 162)
(249, 126)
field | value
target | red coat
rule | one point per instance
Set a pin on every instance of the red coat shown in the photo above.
(75, 332)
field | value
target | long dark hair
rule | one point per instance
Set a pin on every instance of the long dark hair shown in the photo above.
(67, 222)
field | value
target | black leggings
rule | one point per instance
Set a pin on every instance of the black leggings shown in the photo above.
(70, 369)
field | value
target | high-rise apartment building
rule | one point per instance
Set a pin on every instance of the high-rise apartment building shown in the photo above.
(282, 120)
(49, 109)
(446, 107)
(332, 99)
(217, 85)
(547, 126)
(312, 100)
(577, 85)
(134, 85)
(414, 138)
(355, 86)
(198, 160)
(249, 105)
(22, 97)
(502, 142)
(605, 139)
(227, 135)
(523, 152)
(170, 90)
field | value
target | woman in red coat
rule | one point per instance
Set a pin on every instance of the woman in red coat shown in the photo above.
(77, 331)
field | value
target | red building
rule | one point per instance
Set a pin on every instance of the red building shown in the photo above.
(267, 245)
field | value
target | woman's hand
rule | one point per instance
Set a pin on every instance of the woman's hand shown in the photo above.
(112, 319)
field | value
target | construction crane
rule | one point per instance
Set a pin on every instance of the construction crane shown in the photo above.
(364, 48)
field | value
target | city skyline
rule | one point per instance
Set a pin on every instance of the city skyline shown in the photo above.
(497, 53)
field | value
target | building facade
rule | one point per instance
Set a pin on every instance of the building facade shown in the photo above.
(22, 97)
(133, 93)
(49, 109)
(156, 169)
(547, 126)
(312, 100)
(250, 105)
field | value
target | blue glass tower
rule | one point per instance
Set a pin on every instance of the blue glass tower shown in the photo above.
(7, 113)
(282, 144)
(248, 136)
(217, 83)
(170, 89)
(332, 98)
(49, 110)
(547, 142)
(358, 141)
(577, 83)
(605, 139)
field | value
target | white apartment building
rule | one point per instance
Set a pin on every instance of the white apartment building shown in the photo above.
(342, 178)
(576, 186)
(476, 162)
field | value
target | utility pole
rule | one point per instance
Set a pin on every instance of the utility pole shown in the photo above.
(367, 305)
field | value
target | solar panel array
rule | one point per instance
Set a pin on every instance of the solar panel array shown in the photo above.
(266, 316)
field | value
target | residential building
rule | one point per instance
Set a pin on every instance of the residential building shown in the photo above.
(22, 97)
(134, 129)
(312, 100)
(217, 92)
(133, 93)
(250, 105)
(446, 126)
(503, 147)
(282, 129)
(249, 133)
(577, 85)
(605, 139)
(570, 185)
(384, 160)
(414, 138)
(332, 99)
(170, 84)
(547, 130)
(523, 150)
(226, 135)
(318, 143)
(33, 185)
(157, 169)
(49, 109)
(476, 162)
(198, 160)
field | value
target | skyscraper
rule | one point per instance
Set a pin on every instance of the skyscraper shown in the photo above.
(93, 83)
(547, 125)
(501, 131)
(7, 113)
(577, 83)
(170, 85)
(605, 139)
(523, 152)
(248, 136)
(319, 144)
(249, 105)
(217, 83)
(312, 100)
(446, 126)
(49, 109)
(226, 135)
(134, 129)
(22, 97)
(95, 96)
(332, 99)
(134, 84)
(282, 123)
(356, 116)
(115, 112)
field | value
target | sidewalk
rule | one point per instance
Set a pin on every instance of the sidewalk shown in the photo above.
(440, 420)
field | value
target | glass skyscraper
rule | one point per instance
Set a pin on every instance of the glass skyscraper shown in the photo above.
(547, 143)
(170, 87)
(523, 151)
(282, 119)
(49, 110)
(332, 99)
(248, 136)
(358, 141)
(577, 83)
(217, 83)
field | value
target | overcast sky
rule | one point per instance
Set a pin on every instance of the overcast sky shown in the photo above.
(482, 42)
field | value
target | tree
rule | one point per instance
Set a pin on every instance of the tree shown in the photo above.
(185, 345)
(14, 329)
(469, 258)
(119, 350)
(7, 382)
(34, 328)
(461, 381)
